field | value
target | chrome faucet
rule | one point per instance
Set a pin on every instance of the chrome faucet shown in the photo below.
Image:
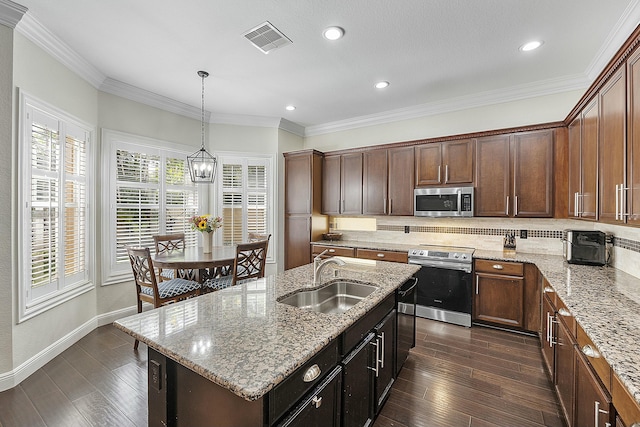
(319, 264)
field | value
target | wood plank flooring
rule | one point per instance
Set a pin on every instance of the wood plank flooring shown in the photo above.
(455, 377)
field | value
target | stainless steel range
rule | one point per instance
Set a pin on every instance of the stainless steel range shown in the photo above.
(444, 283)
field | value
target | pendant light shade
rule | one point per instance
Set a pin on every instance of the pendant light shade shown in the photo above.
(202, 165)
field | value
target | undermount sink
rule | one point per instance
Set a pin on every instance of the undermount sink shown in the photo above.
(336, 297)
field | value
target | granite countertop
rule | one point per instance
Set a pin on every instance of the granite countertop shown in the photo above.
(605, 302)
(242, 339)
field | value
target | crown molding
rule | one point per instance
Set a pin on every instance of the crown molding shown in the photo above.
(11, 13)
(291, 127)
(516, 93)
(33, 30)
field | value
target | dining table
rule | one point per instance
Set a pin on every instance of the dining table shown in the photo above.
(195, 264)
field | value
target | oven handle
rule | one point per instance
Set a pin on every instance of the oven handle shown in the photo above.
(441, 264)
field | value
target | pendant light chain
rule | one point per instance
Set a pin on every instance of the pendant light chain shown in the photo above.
(204, 75)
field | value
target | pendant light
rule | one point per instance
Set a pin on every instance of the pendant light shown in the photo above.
(202, 165)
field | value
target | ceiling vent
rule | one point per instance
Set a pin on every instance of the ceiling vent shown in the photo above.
(266, 37)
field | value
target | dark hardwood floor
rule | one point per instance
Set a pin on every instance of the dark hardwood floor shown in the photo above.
(455, 377)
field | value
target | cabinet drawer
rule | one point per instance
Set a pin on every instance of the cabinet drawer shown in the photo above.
(596, 360)
(333, 250)
(626, 406)
(499, 267)
(354, 334)
(296, 385)
(566, 316)
(382, 255)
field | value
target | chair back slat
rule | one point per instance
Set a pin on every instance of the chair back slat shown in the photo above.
(142, 267)
(168, 242)
(251, 260)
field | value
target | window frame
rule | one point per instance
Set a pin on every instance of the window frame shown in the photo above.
(28, 305)
(246, 159)
(112, 140)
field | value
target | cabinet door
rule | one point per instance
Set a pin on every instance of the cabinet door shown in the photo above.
(401, 178)
(386, 335)
(547, 341)
(331, 196)
(374, 182)
(321, 407)
(575, 140)
(492, 176)
(357, 393)
(589, 162)
(499, 299)
(457, 161)
(592, 400)
(351, 184)
(633, 140)
(533, 174)
(298, 184)
(564, 369)
(428, 164)
(298, 236)
(612, 147)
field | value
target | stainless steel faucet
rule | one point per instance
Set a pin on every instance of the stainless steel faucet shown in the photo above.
(319, 265)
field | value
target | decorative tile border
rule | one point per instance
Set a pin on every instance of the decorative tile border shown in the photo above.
(546, 234)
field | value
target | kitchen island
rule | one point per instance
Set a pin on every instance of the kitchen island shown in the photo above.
(242, 343)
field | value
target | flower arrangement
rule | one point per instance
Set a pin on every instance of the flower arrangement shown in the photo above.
(205, 223)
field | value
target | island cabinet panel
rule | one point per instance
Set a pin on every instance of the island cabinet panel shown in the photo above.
(401, 181)
(514, 175)
(384, 367)
(357, 408)
(612, 145)
(375, 178)
(592, 401)
(633, 140)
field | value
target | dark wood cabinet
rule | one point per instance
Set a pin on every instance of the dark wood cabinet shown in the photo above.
(514, 175)
(592, 401)
(612, 146)
(448, 162)
(401, 181)
(499, 293)
(633, 140)
(342, 184)
(583, 163)
(374, 182)
(303, 222)
(565, 343)
(575, 169)
(547, 340)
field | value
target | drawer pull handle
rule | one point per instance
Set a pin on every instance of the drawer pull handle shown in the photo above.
(317, 401)
(564, 312)
(331, 251)
(548, 289)
(497, 267)
(590, 352)
(311, 374)
(380, 255)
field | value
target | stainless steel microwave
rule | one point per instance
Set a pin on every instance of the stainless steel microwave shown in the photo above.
(443, 201)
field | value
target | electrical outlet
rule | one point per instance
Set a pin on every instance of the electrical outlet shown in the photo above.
(406, 229)
(523, 234)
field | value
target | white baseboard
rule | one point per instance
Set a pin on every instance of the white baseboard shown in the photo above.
(16, 376)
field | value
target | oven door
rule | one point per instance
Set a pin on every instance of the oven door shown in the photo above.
(444, 289)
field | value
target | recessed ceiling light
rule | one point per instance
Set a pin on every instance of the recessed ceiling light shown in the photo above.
(531, 45)
(333, 33)
(381, 85)
(290, 107)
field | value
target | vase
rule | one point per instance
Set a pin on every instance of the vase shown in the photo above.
(206, 242)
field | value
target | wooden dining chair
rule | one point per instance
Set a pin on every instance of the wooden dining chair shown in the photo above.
(166, 243)
(148, 289)
(254, 237)
(250, 262)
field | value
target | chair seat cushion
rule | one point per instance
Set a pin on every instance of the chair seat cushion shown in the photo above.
(218, 283)
(172, 288)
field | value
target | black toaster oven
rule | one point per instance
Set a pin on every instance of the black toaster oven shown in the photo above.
(585, 247)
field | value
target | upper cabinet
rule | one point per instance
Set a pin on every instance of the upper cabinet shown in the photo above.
(441, 163)
(611, 147)
(514, 175)
(375, 177)
(632, 204)
(342, 184)
(583, 163)
(401, 181)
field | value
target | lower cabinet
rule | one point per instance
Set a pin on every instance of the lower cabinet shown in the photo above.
(499, 293)
(321, 408)
(357, 409)
(565, 344)
(592, 401)
(384, 365)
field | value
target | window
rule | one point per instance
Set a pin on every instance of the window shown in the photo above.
(55, 153)
(150, 193)
(245, 198)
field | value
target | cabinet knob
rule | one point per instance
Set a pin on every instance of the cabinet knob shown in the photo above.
(564, 312)
(548, 289)
(311, 374)
(331, 251)
(380, 255)
(591, 352)
(498, 267)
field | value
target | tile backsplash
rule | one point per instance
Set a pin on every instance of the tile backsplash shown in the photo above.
(543, 235)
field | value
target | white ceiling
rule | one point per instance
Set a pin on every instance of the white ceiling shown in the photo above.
(433, 52)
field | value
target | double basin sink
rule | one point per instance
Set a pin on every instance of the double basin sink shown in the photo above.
(335, 297)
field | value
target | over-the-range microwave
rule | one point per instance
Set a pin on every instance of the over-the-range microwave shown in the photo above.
(443, 201)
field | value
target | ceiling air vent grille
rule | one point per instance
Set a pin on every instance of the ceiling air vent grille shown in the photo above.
(266, 37)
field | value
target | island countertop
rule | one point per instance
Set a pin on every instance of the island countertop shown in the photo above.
(242, 339)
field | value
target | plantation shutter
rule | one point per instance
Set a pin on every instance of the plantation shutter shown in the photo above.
(137, 201)
(181, 200)
(257, 199)
(232, 203)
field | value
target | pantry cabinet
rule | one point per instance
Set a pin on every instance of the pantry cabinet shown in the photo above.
(514, 175)
(443, 163)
